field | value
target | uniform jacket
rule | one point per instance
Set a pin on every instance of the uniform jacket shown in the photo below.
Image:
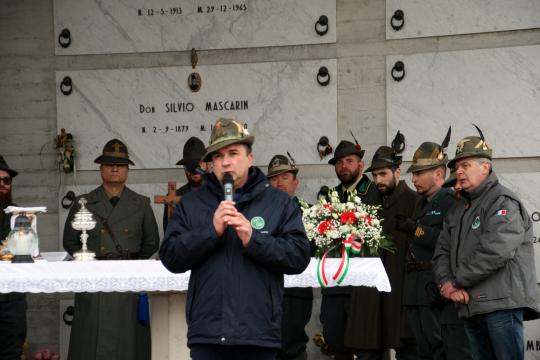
(420, 286)
(131, 220)
(378, 320)
(486, 248)
(365, 190)
(105, 325)
(235, 293)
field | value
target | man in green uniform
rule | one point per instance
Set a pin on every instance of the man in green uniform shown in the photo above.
(192, 155)
(421, 299)
(12, 305)
(349, 168)
(377, 321)
(297, 302)
(106, 325)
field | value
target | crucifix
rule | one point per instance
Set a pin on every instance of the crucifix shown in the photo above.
(170, 200)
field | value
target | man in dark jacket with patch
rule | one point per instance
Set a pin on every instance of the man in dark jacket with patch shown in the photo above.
(484, 258)
(12, 305)
(377, 321)
(335, 306)
(237, 251)
(421, 298)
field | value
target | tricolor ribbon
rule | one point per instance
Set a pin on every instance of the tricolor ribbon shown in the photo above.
(350, 245)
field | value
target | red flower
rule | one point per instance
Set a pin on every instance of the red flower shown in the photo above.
(367, 219)
(348, 217)
(325, 226)
(328, 207)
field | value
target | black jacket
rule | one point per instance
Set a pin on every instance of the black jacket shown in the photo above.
(377, 319)
(235, 293)
(420, 286)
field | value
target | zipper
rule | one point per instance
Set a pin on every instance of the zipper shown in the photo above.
(459, 234)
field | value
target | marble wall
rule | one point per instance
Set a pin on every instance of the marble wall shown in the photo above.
(441, 17)
(154, 111)
(29, 112)
(497, 89)
(101, 27)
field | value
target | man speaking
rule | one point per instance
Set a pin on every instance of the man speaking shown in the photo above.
(237, 252)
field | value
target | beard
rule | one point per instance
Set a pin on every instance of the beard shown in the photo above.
(387, 189)
(348, 178)
(5, 197)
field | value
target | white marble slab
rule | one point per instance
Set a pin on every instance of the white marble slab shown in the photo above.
(105, 27)
(148, 190)
(281, 103)
(497, 89)
(442, 17)
(531, 337)
(527, 187)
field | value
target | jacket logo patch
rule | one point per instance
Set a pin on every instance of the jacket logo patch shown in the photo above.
(419, 232)
(501, 212)
(434, 212)
(257, 223)
(476, 223)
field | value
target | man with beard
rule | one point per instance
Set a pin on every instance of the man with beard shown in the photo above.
(377, 321)
(422, 301)
(335, 304)
(193, 167)
(109, 325)
(297, 302)
(13, 305)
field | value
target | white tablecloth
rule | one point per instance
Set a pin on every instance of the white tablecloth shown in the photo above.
(151, 275)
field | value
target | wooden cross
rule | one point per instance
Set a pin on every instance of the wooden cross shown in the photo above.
(171, 200)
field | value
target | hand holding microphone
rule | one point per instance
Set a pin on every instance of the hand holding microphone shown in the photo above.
(226, 214)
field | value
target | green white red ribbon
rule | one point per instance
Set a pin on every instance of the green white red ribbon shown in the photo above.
(350, 245)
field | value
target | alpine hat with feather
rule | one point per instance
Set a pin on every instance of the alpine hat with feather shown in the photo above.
(430, 155)
(472, 146)
(346, 148)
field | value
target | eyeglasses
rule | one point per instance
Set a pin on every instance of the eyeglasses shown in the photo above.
(6, 180)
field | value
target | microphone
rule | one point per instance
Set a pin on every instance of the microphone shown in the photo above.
(228, 186)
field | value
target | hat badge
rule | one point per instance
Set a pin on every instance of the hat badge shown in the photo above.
(276, 162)
(459, 148)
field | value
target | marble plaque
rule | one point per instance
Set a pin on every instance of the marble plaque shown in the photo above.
(148, 190)
(154, 111)
(497, 89)
(527, 187)
(442, 17)
(105, 27)
(531, 337)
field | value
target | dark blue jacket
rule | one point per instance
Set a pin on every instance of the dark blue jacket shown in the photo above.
(235, 293)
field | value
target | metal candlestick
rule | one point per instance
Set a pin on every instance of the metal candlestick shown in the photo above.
(83, 221)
